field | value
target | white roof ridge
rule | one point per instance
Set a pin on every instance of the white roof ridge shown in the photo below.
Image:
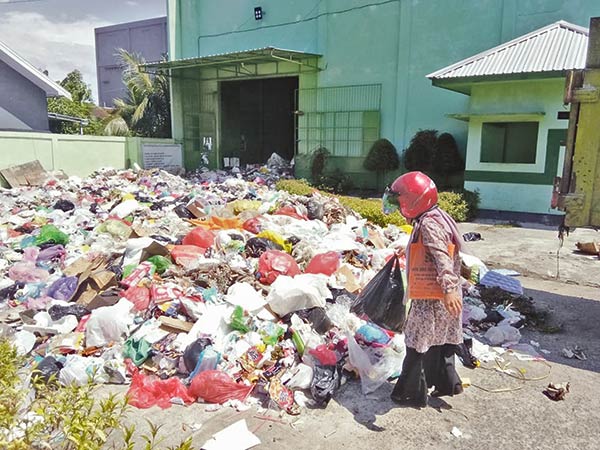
(26, 69)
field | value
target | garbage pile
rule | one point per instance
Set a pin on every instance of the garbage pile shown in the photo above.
(222, 290)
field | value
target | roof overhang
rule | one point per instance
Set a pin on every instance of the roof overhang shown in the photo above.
(463, 85)
(500, 116)
(242, 63)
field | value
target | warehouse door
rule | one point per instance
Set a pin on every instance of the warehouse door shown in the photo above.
(257, 119)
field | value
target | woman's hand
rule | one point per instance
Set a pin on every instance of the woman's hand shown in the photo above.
(453, 303)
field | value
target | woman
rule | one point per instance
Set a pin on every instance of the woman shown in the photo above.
(433, 327)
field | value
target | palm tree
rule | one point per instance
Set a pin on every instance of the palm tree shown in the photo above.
(146, 110)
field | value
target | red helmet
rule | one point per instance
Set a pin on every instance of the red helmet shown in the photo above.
(416, 193)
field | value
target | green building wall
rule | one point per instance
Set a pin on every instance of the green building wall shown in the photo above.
(394, 43)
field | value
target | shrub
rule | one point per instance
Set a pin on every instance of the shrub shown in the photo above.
(371, 210)
(295, 187)
(462, 206)
(419, 154)
(337, 182)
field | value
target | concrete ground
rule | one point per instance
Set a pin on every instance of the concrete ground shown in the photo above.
(518, 417)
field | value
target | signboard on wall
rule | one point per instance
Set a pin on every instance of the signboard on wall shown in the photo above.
(168, 157)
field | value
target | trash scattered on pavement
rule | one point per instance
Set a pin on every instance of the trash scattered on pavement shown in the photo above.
(215, 288)
(556, 391)
(456, 432)
(574, 353)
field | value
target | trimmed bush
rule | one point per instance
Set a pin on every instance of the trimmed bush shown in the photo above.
(461, 206)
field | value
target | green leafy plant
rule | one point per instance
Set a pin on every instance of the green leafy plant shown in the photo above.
(61, 417)
(337, 182)
(382, 157)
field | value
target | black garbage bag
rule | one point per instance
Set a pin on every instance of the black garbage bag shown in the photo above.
(381, 301)
(64, 205)
(192, 352)
(325, 383)
(471, 237)
(343, 294)
(8, 293)
(257, 246)
(58, 311)
(464, 353)
(46, 368)
(183, 212)
(317, 317)
(314, 210)
(293, 240)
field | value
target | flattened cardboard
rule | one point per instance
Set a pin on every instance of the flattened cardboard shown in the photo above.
(175, 324)
(29, 174)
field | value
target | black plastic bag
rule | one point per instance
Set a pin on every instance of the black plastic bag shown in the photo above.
(46, 368)
(317, 318)
(257, 246)
(325, 383)
(64, 205)
(314, 210)
(471, 237)
(382, 298)
(193, 351)
(183, 212)
(58, 312)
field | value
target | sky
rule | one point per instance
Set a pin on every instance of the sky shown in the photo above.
(58, 35)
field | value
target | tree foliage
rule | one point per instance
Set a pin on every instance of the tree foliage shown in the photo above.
(80, 105)
(146, 110)
(419, 154)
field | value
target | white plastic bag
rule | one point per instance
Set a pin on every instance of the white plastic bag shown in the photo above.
(108, 323)
(503, 334)
(244, 295)
(79, 370)
(373, 369)
(294, 294)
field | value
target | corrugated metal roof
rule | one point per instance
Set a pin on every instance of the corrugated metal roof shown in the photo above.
(557, 47)
(229, 57)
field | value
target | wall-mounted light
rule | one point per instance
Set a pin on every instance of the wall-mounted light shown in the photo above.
(258, 13)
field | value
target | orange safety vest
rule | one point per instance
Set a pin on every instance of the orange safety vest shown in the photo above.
(422, 273)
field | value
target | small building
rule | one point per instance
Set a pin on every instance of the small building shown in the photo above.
(147, 38)
(24, 90)
(254, 78)
(516, 115)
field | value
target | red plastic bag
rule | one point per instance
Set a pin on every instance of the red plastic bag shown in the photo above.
(139, 296)
(325, 356)
(183, 253)
(146, 391)
(214, 386)
(253, 225)
(291, 212)
(325, 263)
(273, 263)
(200, 237)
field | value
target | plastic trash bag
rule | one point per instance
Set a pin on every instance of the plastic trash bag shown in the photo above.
(114, 227)
(208, 360)
(255, 246)
(374, 366)
(26, 270)
(108, 323)
(274, 263)
(253, 225)
(51, 254)
(372, 334)
(138, 350)
(183, 212)
(139, 296)
(147, 391)
(294, 294)
(192, 352)
(58, 311)
(51, 234)
(161, 263)
(200, 237)
(381, 300)
(317, 317)
(125, 208)
(277, 239)
(214, 386)
(325, 356)
(503, 334)
(186, 254)
(325, 383)
(315, 210)
(64, 205)
(238, 321)
(325, 263)
(46, 368)
(302, 377)
(63, 288)
(80, 370)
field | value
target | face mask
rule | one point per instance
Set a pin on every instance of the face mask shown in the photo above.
(389, 201)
